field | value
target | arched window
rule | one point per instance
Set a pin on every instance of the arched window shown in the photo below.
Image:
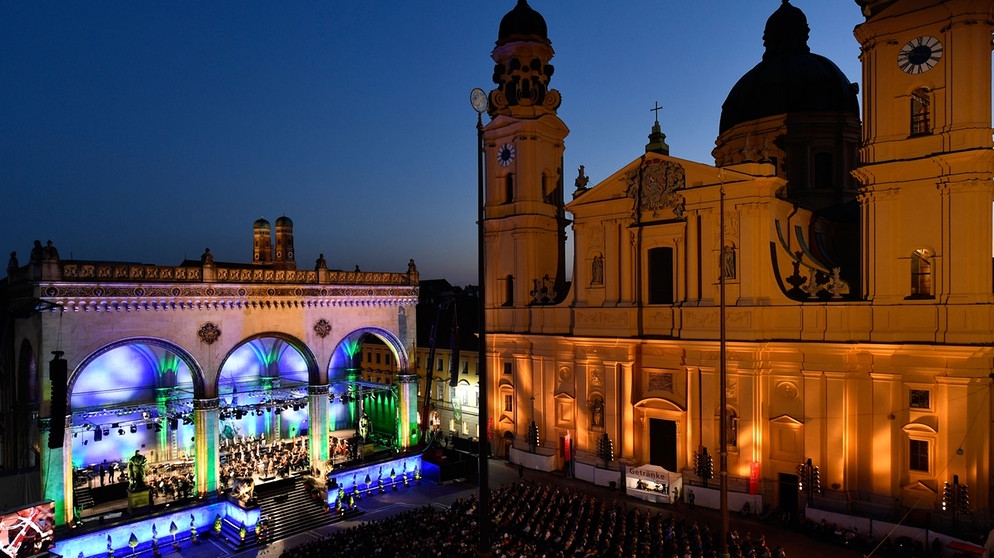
(920, 100)
(921, 273)
(509, 188)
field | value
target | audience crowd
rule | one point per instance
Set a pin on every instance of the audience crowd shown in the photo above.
(535, 520)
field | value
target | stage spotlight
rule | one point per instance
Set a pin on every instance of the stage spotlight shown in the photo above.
(85, 442)
(120, 431)
(133, 429)
(146, 415)
(75, 434)
(158, 427)
(106, 432)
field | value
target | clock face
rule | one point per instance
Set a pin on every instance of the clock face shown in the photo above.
(505, 154)
(919, 55)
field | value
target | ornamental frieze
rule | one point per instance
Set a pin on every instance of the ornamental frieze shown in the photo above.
(618, 318)
(133, 272)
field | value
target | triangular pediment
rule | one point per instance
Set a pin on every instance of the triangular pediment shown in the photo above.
(617, 186)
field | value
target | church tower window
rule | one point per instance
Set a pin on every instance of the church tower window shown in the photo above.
(661, 276)
(509, 188)
(920, 101)
(824, 170)
(921, 273)
(509, 290)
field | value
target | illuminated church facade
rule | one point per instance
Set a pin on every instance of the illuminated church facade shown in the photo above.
(849, 253)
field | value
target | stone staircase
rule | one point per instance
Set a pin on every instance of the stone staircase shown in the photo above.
(292, 509)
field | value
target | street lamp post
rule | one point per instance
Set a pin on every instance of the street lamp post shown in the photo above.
(478, 98)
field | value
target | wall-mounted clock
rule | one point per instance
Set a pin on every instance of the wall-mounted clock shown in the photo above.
(505, 154)
(920, 54)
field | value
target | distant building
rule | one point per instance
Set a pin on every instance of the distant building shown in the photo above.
(451, 315)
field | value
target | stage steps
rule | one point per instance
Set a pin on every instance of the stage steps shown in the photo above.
(293, 510)
(82, 497)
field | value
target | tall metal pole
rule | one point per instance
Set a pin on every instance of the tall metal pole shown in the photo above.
(723, 373)
(484, 453)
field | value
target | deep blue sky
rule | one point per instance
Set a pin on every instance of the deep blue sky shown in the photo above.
(147, 131)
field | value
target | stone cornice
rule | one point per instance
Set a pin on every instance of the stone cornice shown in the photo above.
(96, 297)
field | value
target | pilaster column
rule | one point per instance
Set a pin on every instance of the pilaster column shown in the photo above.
(54, 474)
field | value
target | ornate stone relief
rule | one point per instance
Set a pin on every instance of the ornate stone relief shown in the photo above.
(322, 328)
(787, 390)
(209, 333)
(654, 186)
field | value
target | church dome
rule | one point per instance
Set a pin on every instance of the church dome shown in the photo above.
(261, 224)
(284, 221)
(520, 22)
(790, 78)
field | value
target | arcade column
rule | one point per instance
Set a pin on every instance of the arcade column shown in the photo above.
(317, 410)
(407, 410)
(207, 460)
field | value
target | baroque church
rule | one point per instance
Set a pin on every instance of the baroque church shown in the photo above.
(823, 290)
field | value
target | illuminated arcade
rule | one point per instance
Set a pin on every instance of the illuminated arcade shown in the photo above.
(209, 385)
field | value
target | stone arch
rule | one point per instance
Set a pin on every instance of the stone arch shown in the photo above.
(343, 351)
(196, 372)
(313, 372)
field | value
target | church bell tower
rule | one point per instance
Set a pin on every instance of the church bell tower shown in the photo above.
(926, 162)
(524, 211)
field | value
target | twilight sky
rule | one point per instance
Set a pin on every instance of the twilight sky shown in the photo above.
(147, 131)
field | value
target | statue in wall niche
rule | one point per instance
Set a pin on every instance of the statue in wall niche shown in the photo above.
(597, 413)
(728, 262)
(597, 270)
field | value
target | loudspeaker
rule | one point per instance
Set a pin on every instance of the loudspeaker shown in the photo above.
(58, 374)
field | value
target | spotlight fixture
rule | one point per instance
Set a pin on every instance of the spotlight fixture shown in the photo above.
(133, 429)
(120, 431)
